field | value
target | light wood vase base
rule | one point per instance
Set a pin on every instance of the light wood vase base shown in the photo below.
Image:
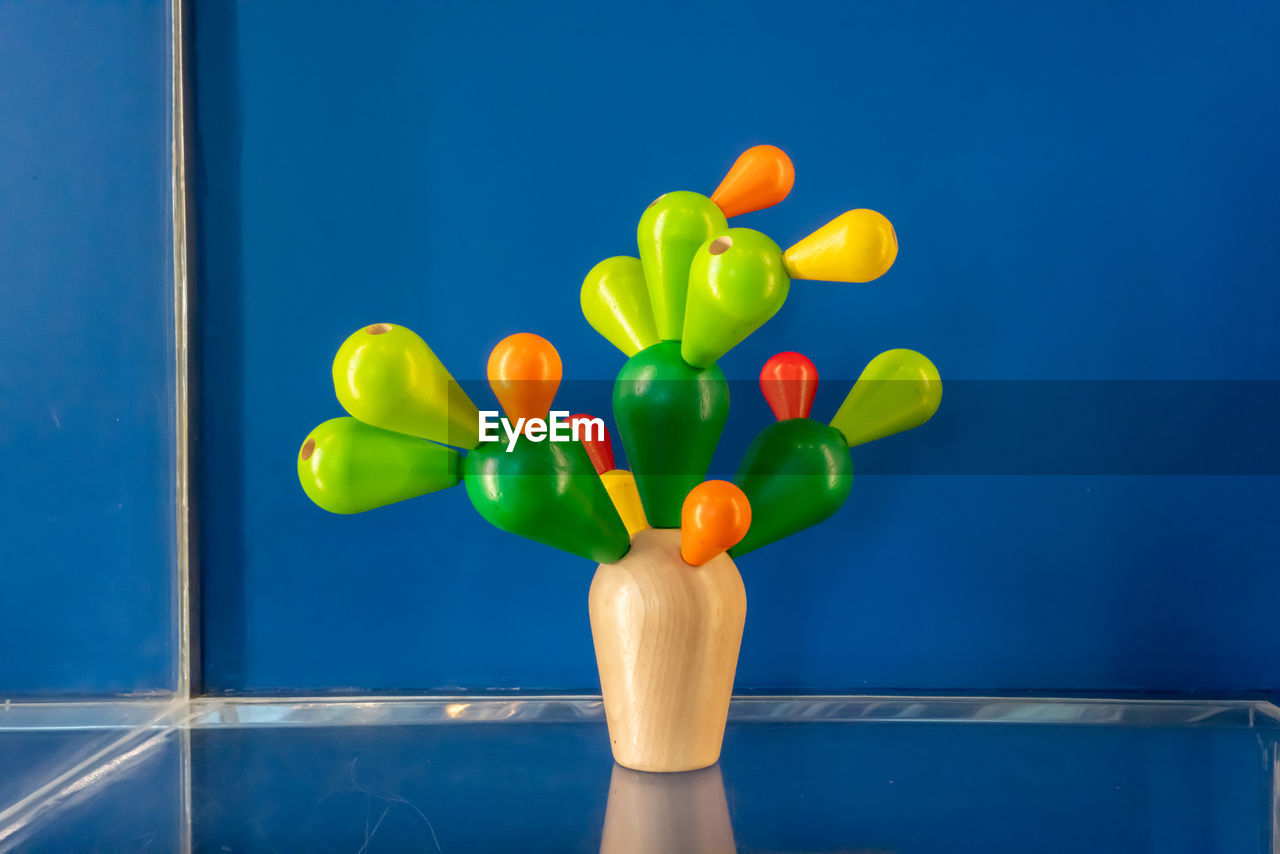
(667, 636)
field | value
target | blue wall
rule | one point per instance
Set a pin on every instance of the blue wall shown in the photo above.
(86, 343)
(1083, 191)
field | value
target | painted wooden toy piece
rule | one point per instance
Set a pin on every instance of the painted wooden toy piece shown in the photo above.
(897, 391)
(675, 224)
(671, 230)
(385, 375)
(797, 472)
(667, 636)
(739, 278)
(621, 296)
(546, 491)
(761, 177)
(789, 383)
(715, 517)
(670, 417)
(524, 372)
(737, 281)
(667, 604)
(615, 301)
(857, 246)
(619, 483)
(669, 413)
(347, 466)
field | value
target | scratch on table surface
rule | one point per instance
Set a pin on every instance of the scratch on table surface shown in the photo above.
(262, 833)
(315, 809)
(57, 422)
(368, 834)
(394, 799)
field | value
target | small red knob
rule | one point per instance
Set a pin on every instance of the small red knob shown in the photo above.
(599, 446)
(789, 382)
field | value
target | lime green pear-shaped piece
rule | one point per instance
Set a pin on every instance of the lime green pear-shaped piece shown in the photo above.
(615, 301)
(737, 281)
(670, 232)
(387, 376)
(347, 466)
(898, 390)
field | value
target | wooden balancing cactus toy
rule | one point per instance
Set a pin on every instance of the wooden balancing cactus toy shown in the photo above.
(667, 603)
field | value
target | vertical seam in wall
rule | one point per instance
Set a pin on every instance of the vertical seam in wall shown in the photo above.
(185, 590)
(183, 564)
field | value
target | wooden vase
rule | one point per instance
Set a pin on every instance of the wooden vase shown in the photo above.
(666, 636)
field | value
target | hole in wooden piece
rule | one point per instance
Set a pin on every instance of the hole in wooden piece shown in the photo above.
(378, 328)
(721, 245)
(308, 449)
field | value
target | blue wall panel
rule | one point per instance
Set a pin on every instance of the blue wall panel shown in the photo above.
(1082, 192)
(86, 378)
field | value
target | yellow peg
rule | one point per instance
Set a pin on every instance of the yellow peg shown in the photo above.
(619, 483)
(857, 246)
(621, 486)
(898, 390)
(385, 375)
(615, 301)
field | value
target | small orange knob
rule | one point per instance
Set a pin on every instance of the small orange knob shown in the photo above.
(760, 178)
(525, 373)
(715, 517)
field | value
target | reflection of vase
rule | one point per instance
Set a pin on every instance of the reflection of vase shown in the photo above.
(667, 813)
(666, 637)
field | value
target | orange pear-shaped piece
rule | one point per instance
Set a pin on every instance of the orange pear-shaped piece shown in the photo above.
(715, 516)
(525, 372)
(761, 177)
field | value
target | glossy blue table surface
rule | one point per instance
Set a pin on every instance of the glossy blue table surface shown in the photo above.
(794, 781)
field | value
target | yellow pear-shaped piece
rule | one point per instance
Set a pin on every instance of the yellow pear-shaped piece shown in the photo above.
(621, 486)
(898, 390)
(385, 375)
(857, 246)
(615, 301)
